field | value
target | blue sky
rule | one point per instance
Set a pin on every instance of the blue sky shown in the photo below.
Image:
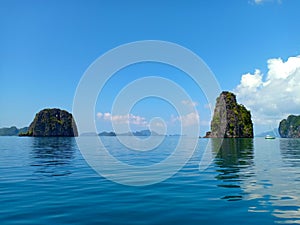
(46, 46)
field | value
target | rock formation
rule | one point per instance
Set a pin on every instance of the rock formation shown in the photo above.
(208, 134)
(230, 119)
(52, 123)
(290, 127)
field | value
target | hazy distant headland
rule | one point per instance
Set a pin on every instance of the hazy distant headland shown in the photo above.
(12, 131)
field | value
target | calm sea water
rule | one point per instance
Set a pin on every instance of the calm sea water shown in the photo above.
(250, 181)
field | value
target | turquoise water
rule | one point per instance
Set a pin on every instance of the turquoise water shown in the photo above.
(250, 181)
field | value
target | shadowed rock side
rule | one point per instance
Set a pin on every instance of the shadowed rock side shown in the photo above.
(230, 120)
(290, 127)
(52, 123)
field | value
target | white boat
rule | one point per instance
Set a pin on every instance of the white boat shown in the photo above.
(269, 137)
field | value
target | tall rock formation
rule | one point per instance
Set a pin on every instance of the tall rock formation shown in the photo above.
(52, 123)
(230, 119)
(290, 127)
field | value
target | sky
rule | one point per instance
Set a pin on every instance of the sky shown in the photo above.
(251, 46)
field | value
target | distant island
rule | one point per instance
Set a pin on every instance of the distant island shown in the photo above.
(12, 131)
(144, 133)
(290, 127)
(111, 134)
(230, 119)
(52, 123)
(140, 133)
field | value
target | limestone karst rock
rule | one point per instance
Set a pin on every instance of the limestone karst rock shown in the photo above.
(290, 127)
(52, 123)
(230, 119)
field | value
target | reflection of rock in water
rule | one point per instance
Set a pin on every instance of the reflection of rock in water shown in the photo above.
(290, 151)
(234, 152)
(233, 160)
(52, 155)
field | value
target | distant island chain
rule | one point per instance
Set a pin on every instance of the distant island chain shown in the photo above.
(230, 120)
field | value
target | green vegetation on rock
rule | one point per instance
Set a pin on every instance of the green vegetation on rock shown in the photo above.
(231, 120)
(290, 127)
(52, 123)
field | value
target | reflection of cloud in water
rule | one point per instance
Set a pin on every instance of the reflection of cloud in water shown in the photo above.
(275, 186)
(52, 155)
(233, 161)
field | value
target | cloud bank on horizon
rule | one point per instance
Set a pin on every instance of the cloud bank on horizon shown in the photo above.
(258, 2)
(187, 120)
(272, 96)
(123, 119)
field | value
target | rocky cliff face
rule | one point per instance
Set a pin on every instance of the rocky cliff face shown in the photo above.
(290, 127)
(52, 123)
(231, 120)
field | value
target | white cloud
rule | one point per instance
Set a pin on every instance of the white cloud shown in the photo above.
(251, 81)
(158, 124)
(107, 116)
(272, 97)
(123, 119)
(259, 2)
(186, 120)
(99, 115)
(189, 103)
